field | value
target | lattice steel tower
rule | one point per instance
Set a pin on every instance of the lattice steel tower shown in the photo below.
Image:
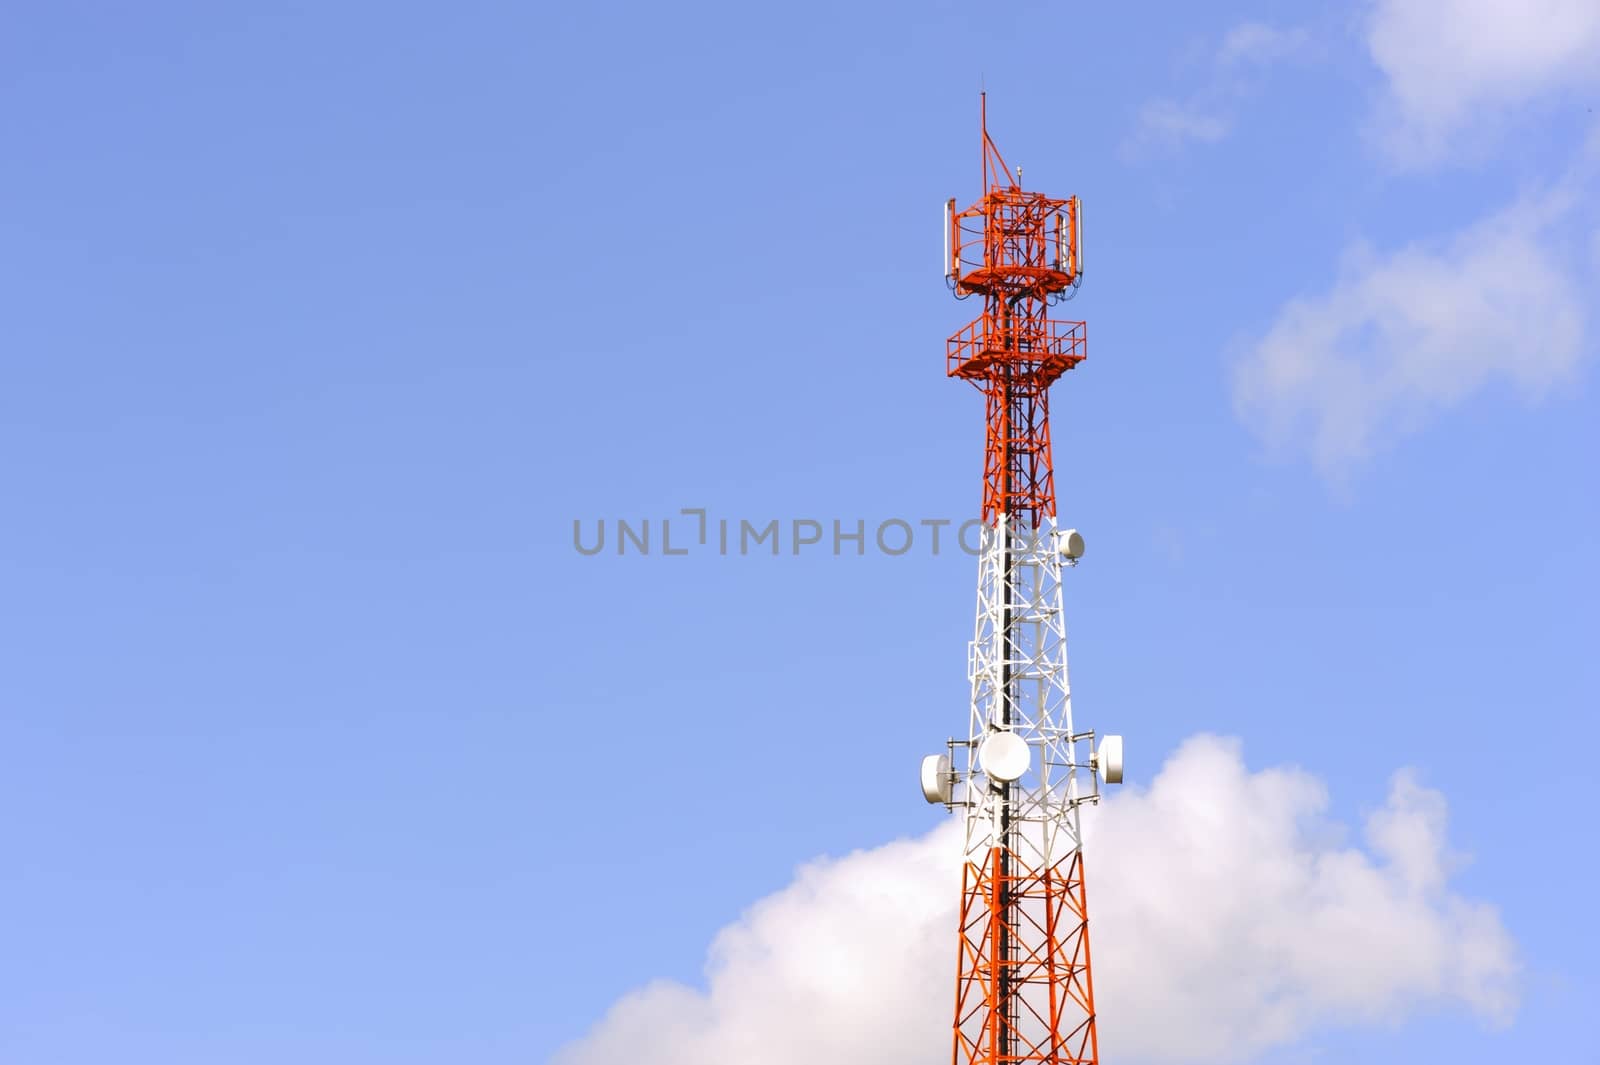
(1024, 992)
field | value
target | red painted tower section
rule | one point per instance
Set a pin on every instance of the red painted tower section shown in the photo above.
(1020, 251)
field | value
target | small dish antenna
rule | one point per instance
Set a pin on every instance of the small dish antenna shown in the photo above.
(1107, 760)
(936, 778)
(1004, 756)
(1070, 543)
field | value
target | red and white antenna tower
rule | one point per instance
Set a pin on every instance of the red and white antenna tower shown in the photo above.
(1023, 987)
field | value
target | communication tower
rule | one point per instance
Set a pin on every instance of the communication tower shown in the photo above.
(1024, 992)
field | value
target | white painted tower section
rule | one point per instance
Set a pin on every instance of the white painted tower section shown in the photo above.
(1020, 634)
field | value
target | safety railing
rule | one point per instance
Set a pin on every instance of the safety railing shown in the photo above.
(987, 346)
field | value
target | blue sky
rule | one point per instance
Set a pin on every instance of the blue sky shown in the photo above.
(322, 324)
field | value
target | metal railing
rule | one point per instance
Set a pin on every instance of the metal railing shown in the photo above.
(1029, 345)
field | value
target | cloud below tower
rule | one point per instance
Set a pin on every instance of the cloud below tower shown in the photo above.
(1229, 916)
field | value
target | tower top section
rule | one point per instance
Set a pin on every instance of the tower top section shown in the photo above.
(1021, 252)
(1012, 243)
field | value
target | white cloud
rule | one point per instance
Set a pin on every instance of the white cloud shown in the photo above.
(1400, 337)
(1228, 917)
(1455, 67)
(1170, 123)
(1255, 42)
(1207, 115)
